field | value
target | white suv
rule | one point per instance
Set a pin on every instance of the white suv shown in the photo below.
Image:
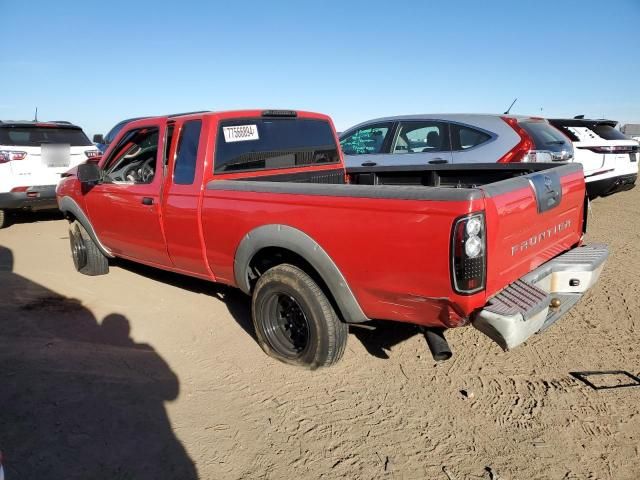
(609, 158)
(33, 155)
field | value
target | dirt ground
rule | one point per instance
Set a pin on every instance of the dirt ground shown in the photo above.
(144, 374)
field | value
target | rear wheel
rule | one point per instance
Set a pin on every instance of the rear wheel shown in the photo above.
(294, 321)
(87, 258)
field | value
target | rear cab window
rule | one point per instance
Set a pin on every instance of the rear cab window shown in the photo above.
(187, 153)
(254, 144)
(34, 136)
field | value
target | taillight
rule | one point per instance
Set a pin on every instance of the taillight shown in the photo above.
(520, 152)
(468, 254)
(19, 189)
(92, 153)
(613, 149)
(10, 156)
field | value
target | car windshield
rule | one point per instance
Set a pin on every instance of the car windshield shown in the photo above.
(26, 136)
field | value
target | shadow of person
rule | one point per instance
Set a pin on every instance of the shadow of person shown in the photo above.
(80, 399)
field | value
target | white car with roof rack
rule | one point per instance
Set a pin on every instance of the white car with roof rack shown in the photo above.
(33, 156)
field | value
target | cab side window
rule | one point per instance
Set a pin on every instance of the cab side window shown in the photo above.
(133, 161)
(422, 137)
(184, 170)
(366, 140)
(464, 138)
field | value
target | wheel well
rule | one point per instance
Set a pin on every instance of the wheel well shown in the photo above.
(270, 257)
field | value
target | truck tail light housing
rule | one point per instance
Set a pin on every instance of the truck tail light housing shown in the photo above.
(468, 254)
(10, 156)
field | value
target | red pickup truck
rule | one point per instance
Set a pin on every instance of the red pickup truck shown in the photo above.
(260, 200)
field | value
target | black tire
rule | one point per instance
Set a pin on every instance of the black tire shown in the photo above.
(87, 258)
(4, 218)
(294, 321)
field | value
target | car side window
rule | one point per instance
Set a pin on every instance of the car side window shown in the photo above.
(464, 137)
(133, 161)
(366, 140)
(421, 137)
(184, 170)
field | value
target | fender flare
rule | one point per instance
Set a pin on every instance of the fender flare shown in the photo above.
(289, 238)
(69, 205)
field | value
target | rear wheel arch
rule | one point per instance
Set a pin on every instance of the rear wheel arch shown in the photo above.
(271, 245)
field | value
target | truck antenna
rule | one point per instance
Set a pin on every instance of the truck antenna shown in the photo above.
(512, 103)
(35, 119)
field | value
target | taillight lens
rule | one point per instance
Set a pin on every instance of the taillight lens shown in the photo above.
(10, 156)
(613, 149)
(92, 153)
(525, 150)
(520, 152)
(468, 254)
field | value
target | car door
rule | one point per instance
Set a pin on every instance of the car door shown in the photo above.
(180, 202)
(420, 142)
(367, 145)
(125, 207)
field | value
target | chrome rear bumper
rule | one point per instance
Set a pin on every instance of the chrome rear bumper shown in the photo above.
(534, 302)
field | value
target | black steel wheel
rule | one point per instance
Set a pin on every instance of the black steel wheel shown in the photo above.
(295, 321)
(87, 257)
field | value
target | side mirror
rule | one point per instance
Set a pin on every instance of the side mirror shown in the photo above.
(97, 138)
(89, 173)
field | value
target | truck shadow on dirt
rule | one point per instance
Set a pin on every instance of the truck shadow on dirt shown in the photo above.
(79, 398)
(18, 217)
(377, 340)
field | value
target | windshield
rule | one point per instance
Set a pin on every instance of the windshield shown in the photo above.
(271, 143)
(36, 136)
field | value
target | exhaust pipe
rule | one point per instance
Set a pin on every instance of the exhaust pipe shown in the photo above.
(438, 344)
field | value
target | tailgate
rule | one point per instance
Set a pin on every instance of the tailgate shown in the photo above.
(531, 219)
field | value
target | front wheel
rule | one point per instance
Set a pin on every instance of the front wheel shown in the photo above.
(294, 321)
(87, 257)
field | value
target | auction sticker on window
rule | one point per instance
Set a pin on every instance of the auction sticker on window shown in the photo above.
(240, 133)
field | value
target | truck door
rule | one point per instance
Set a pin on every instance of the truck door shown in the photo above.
(125, 207)
(181, 196)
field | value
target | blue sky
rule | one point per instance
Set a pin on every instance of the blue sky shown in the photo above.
(95, 63)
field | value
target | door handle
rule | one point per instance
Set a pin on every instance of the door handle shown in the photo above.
(369, 164)
(438, 161)
(147, 201)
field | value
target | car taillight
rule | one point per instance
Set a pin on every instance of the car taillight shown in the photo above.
(520, 152)
(19, 189)
(92, 153)
(10, 156)
(613, 149)
(468, 254)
